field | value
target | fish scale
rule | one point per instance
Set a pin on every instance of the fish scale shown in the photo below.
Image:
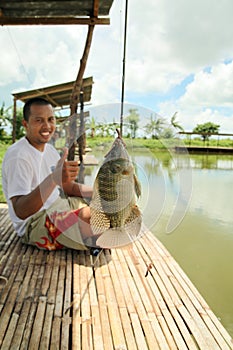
(114, 213)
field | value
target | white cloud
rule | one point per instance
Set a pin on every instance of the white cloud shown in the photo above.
(209, 97)
(166, 43)
(211, 88)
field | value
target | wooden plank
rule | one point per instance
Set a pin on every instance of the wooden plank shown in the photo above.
(86, 329)
(100, 272)
(159, 305)
(10, 332)
(38, 324)
(28, 327)
(52, 298)
(53, 21)
(128, 329)
(76, 327)
(138, 333)
(8, 310)
(19, 332)
(122, 301)
(66, 314)
(138, 297)
(55, 333)
(94, 307)
(166, 302)
(47, 327)
(47, 273)
(175, 306)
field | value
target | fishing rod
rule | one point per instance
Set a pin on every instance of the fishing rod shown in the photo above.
(123, 69)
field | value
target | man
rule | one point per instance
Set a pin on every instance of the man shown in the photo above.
(32, 173)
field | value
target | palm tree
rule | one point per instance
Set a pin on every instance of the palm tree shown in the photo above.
(92, 125)
(174, 123)
(155, 126)
(133, 119)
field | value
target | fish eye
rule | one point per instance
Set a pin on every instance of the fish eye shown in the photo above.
(115, 168)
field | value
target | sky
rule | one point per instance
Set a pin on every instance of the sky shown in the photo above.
(179, 58)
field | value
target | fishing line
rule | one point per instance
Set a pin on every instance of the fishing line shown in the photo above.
(123, 69)
(18, 55)
(93, 265)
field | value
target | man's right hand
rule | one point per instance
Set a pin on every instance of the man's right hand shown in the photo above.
(65, 171)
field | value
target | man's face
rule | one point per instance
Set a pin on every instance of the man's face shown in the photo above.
(41, 125)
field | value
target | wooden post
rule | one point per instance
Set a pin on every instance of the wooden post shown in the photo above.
(81, 140)
(76, 93)
(82, 134)
(14, 121)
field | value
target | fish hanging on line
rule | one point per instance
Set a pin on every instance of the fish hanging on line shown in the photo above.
(115, 215)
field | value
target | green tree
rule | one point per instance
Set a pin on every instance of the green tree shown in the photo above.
(20, 131)
(206, 130)
(155, 126)
(133, 119)
(106, 129)
(3, 121)
(167, 133)
(6, 115)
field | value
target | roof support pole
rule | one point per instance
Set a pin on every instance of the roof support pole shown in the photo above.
(76, 93)
(14, 121)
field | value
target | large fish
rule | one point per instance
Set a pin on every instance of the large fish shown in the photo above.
(115, 215)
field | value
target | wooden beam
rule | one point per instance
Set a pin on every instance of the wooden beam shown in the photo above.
(53, 21)
(76, 92)
(96, 8)
(50, 99)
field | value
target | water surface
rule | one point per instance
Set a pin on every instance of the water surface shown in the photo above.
(187, 203)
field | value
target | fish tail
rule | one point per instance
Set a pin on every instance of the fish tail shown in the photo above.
(119, 237)
(114, 238)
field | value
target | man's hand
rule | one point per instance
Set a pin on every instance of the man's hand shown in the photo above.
(65, 171)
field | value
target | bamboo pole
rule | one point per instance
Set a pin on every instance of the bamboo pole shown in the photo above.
(14, 121)
(76, 93)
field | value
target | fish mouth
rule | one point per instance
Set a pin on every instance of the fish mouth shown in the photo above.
(120, 166)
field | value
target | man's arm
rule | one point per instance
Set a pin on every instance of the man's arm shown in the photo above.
(64, 173)
(27, 205)
(77, 190)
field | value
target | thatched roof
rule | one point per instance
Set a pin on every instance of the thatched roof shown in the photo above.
(23, 12)
(59, 95)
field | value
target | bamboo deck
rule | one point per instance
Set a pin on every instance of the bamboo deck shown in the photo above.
(71, 300)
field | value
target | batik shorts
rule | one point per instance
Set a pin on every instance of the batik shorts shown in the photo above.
(56, 227)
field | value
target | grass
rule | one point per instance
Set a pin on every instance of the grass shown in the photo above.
(211, 143)
(152, 144)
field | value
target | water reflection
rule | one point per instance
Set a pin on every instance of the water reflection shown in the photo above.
(207, 161)
(202, 242)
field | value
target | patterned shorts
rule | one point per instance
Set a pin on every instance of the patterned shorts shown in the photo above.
(57, 227)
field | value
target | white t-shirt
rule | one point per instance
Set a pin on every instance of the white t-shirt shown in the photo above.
(23, 169)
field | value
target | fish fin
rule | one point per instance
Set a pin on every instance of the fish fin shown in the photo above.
(120, 237)
(137, 186)
(135, 214)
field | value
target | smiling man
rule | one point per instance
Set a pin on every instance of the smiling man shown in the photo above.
(33, 174)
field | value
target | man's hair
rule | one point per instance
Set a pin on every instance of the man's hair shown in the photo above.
(33, 101)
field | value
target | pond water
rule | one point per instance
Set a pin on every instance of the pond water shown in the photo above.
(187, 202)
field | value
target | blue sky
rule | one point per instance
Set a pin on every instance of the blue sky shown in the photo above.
(179, 58)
